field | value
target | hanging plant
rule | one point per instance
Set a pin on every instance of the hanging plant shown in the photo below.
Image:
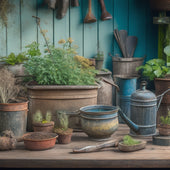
(4, 9)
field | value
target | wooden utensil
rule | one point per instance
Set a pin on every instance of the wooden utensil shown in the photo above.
(95, 148)
(123, 36)
(90, 18)
(105, 14)
(131, 44)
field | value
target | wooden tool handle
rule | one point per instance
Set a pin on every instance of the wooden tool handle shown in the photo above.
(94, 148)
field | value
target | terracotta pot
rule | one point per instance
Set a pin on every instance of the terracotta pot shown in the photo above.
(65, 137)
(40, 140)
(65, 98)
(164, 130)
(93, 61)
(43, 127)
(160, 5)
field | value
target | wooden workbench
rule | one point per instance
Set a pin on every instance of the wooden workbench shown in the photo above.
(61, 156)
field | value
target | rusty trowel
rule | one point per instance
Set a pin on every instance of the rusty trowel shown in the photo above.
(98, 147)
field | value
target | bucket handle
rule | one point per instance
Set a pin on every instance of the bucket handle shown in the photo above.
(161, 97)
(110, 82)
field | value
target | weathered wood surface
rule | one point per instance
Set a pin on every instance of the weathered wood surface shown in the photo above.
(61, 156)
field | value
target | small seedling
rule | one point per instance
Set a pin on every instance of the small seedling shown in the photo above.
(127, 140)
(165, 120)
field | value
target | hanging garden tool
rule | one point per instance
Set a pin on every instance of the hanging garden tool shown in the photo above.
(90, 18)
(75, 3)
(51, 3)
(63, 6)
(105, 14)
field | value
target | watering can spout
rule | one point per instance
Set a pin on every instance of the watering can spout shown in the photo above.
(131, 124)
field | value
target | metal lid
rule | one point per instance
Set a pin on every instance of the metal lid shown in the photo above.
(143, 94)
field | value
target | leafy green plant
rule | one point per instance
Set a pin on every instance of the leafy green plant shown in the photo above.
(13, 59)
(59, 65)
(155, 68)
(38, 117)
(99, 55)
(128, 140)
(165, 120)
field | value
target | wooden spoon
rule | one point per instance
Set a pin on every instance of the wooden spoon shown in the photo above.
(90, 18)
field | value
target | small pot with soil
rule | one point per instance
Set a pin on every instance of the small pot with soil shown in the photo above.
(63, 131)
(40, 140)
(41, 124)
(164, 126)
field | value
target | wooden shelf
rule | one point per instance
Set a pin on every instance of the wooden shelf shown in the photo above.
(61, 156)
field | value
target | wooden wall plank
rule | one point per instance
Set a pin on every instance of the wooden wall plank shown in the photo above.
(46, 22)
(105, 34)
(121, 18)
(137, 25)
(13, 28)
(3, 40)
(76, 26)
(90, 31)
(28, 23)
(61, 28)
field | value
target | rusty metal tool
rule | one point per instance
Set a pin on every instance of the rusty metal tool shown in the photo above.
(90, 18)
(75, 3)
(98, 147)
(63, 6)
(105, 14)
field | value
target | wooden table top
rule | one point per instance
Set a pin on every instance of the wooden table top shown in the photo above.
(62, 156)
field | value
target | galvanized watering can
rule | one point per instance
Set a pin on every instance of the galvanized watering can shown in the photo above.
(144, 107)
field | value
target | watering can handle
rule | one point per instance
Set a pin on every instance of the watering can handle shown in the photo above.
(161, 97)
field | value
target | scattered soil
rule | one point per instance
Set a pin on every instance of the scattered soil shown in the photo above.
(40, 136)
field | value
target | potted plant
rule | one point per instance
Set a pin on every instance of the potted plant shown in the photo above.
(41, 123)
(13, 110)
(129, 144)
(15, 63)
(99, 58)
(63, 131)
(157, 71)
(164, 126)
(60, 79)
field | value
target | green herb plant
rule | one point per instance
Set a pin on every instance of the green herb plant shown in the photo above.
(99, 55)
(128, 140)
(165, 120)
(59, 65)
(38, 117)
(155, 68)
(13, 59)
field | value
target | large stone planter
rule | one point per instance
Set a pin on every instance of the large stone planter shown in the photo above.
(60, 98)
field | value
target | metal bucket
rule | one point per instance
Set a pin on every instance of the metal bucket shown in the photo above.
(127, 87)
(13, 117)
(99, 122)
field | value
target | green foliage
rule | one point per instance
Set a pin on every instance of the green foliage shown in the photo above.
(100, 55)
(13, 59)
(165, 120)
(38, 117)
(154, 68)
(62, 120)
(128, 140)
(58, 66)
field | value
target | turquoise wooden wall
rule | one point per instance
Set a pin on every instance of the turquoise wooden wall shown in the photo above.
(132, 15)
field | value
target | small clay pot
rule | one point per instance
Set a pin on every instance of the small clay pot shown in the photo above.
(43, 127)
(99, 64)
(93, 61)
(65, 136)
(40, 140)
(164, 130)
